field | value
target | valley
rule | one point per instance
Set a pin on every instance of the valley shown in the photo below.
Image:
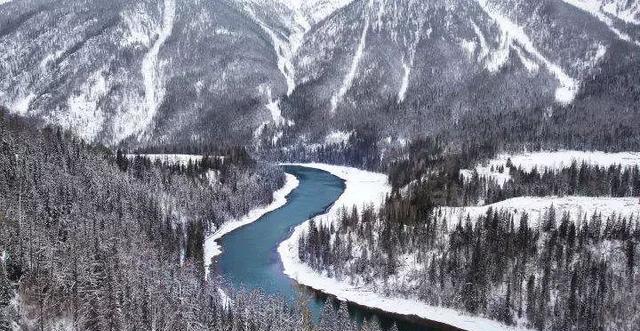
(321, 165)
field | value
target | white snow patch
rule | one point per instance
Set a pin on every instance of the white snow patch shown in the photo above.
(404, 86)
(211, 246)
(2, 2)
(337, 137)
(276, 137)
(139, 28)
(568, 88)
(353, 68)
(627, 11)
(224, 298)
(258, 131)
(600, 53)
(287, 47)
(173, 159)
(556, 160)
(316, 10)
(579, 207)
(364, 187)
(273, 105)
(22, 104)
(406, 67)
(85, 116)
(594, 8)
(531, 66)
(469, 47)
(484, 49)
(500, 56)
(151, 71)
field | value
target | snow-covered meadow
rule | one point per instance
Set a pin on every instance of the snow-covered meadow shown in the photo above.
(578, 208)
(549, 160)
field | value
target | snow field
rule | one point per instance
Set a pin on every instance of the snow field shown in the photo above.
(536, 207)
(550, 160)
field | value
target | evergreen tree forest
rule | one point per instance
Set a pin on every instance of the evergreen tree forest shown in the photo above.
(96, 240)
(556, 274)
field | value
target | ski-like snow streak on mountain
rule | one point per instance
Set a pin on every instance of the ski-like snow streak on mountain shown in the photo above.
(285, 63)
(484, 49)
(568, 88)
(406, 67)
(594, 10)
(2, 2)
(153, 86)
(348, 79)
(286, 49)
(405, 82)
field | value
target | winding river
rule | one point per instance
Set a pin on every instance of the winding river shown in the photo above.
(250, 258)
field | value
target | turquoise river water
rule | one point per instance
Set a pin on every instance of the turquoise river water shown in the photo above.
(250, 259)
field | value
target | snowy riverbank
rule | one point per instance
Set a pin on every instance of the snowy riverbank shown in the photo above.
(363, 187)
(211, 246)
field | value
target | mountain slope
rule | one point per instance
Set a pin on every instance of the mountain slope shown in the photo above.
(142, 71)
(278, 73)
(410, 67)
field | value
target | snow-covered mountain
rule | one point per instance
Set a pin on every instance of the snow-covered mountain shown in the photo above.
(167, 71)
(422, 65)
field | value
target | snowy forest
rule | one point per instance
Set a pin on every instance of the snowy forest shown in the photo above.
(92, 240)
(554, 272)
(320, 165)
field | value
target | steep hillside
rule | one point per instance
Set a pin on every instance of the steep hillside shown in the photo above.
(280, 73)
(140, 71)
(409, 68)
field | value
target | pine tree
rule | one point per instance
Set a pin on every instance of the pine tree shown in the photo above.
(5, 294)
(121, 160)
(507, 316)
(630, 249)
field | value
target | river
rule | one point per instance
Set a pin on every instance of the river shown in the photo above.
(250, 259)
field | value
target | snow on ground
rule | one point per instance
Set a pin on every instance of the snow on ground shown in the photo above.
(596, 9)
(153, 85)
(568, 86)
(536, 207)
(317, 10)
(283, 49)
(355, 62)
(2, 2)
(364, 187)
(182, 159)
(224, 297)
(628, 11)
(404, 85)
(21, 104)
(551, 160)
(406, 66)
(85, 116)
(337, 137)
(211, 246)
(484, 48)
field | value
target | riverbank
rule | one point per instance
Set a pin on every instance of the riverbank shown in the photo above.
(363, 187)
(211, 246)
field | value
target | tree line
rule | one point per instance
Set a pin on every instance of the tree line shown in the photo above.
(563, 272)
